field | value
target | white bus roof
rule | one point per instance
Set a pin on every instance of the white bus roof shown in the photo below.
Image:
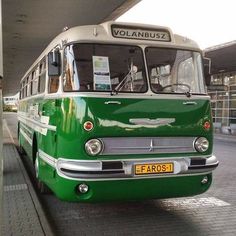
(103, 33)
(129, 33)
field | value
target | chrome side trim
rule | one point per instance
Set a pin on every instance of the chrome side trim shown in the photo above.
(126, 95)
(39, 124)
(27, 138)
(48, 159)
(25, 119)
(26, 128)
(203, 166)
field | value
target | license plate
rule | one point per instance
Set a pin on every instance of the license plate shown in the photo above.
(154, 168)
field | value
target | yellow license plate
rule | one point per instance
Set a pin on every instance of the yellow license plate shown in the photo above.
(154, 168)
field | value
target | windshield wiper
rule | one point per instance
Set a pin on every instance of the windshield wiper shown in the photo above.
(120, 85)
(122, 82)
(187, 93)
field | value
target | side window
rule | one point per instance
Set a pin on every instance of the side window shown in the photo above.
(42, 77)
(68, 72)
(23, 88)
(53, 84)
(34, 83)
(28, 86)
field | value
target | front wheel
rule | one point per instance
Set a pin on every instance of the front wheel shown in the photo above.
(42, 187)
(20, 147)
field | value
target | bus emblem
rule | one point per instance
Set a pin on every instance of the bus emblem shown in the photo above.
(152, 122)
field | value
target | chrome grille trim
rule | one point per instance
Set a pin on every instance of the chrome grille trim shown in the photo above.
(147, 145)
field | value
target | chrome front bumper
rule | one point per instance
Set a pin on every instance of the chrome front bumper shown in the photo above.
(124, 169)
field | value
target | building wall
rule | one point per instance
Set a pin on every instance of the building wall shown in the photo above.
(1, 58)
(1, 156)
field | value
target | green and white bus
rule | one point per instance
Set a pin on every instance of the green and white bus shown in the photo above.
(118, 111)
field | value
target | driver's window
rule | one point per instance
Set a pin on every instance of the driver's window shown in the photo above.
(160, 77)
(186, 73)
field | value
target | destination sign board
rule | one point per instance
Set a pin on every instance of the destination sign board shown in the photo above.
(140, 33)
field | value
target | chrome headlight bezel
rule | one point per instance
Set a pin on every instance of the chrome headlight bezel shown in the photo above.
(93, 147)
(201, 144)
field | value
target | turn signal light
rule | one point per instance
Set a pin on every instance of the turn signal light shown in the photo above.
(207, 125)
(88, 125)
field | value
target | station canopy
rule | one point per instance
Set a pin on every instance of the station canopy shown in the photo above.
(223, 57)
(29, 26)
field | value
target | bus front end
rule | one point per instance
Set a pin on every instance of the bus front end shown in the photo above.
(133, 120)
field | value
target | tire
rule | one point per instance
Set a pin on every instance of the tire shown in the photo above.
(20, 148)
(42, 187)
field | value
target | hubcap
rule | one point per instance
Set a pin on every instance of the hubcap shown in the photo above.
(36, 165)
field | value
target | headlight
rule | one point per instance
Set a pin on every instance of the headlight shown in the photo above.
(201, 144)
(93, 147)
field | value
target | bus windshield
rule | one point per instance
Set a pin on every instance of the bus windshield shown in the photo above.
(100, 67)
(175, 70)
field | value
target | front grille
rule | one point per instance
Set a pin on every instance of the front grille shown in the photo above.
(147, 145)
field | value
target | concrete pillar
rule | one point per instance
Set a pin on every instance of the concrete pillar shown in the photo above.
(1, 154)
(1, 63)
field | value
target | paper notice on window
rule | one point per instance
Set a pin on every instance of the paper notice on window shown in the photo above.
(101, 73)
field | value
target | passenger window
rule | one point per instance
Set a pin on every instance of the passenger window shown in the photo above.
(53, 84)
(42, 77)
(34, 83)
(28, 87)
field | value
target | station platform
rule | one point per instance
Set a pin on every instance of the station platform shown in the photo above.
(225, 137)
(212, 213)
(22, 210)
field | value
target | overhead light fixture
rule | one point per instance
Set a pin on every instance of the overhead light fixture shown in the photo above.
(20, 21)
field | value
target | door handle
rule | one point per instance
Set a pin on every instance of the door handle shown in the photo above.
(112, 102)
(190, 103)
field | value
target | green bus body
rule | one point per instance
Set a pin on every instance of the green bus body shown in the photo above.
(146, 129)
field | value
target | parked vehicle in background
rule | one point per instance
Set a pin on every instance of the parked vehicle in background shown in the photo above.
(10, 103)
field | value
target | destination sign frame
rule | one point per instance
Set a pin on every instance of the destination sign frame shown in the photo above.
(139, 33)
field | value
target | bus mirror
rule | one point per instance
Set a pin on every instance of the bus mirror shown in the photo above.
(54, 63)
(207, 70)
